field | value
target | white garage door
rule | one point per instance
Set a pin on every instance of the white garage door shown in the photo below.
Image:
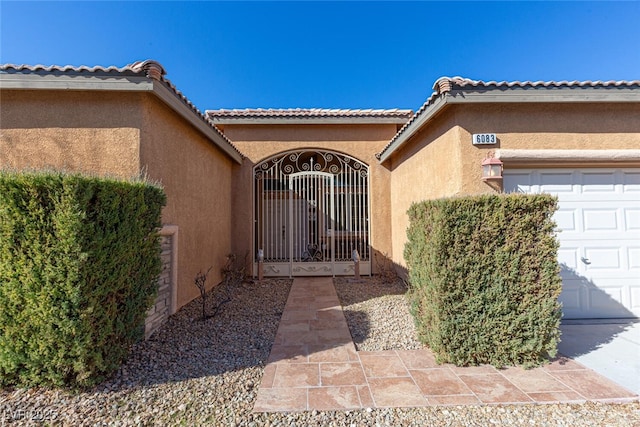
(599, 223)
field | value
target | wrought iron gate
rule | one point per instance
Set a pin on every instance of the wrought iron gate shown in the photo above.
(311, 213)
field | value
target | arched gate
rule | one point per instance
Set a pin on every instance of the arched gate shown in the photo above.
(311, 212)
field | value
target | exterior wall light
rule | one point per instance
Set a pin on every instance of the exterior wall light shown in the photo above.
(491, 168)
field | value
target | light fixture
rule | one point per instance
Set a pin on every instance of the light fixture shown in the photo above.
(491, 168)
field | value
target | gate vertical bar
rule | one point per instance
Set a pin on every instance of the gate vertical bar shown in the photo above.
(368, 201)
(340, 218)
(357, 198)
(281, 209)
(266, 213)
(353, 210)
(255, 215)
(332, 220)
(290, 225)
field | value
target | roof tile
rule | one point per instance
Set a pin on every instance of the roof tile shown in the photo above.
(308, 112)
(149, 68)
(448, 84)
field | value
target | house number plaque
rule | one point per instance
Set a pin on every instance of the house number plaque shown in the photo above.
(484, 138)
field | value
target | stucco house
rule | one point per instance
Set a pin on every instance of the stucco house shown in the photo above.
(301, 189)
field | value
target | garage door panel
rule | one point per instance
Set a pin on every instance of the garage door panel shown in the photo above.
(598, 182)
(605, 300)
(633, 255)
(601, 254)
(566, 219)
(599, 258)
(556, 182)
(598, 237)
(631, 182)
(600, 219)
(568, 259)
(601, 199)
(570, 298)
(632, 219)
(634, 297)
(598, 224)
(521, 183)
(583, 299)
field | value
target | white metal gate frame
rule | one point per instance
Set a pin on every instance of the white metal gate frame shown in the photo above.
(338, 207)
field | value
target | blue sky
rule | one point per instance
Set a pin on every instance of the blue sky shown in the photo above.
(329, 54)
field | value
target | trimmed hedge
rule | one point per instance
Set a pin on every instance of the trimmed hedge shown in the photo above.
(485, 278)
(79, 260)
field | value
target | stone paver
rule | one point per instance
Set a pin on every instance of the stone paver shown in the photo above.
(314, 365)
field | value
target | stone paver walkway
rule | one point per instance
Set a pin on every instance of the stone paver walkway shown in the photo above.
(314, 365)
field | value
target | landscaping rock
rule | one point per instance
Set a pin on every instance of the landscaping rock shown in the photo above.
(194, 372)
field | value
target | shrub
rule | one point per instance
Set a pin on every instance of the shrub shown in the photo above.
(485, 278)
(79, 260)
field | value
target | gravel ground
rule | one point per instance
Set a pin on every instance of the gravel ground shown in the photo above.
(377, 313)
(196, 372)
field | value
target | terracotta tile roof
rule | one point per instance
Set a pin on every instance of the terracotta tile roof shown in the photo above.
(60, 69)
(309, 112)
(450, 84)
(309, 116)
(149, 68)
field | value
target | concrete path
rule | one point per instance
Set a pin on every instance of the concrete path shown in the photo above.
(611, 348)
(314, 365)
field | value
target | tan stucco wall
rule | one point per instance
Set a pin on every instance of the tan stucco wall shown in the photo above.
(196, 177)
(210, 196)
(258, 142)
(540, 127)
(120, 134)
(73, 131)
(428, 169)
(441, 161)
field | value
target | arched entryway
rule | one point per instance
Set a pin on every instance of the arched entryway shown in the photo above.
(311, 212)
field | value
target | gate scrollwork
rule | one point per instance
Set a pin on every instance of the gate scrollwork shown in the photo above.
(306, 161)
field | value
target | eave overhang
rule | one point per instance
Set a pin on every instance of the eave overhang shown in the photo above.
(140, 77)
(463, 91)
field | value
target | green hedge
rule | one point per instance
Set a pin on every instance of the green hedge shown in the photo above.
(485, 278)
(79, 261)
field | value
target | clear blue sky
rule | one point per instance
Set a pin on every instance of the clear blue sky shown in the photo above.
(326, 54)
